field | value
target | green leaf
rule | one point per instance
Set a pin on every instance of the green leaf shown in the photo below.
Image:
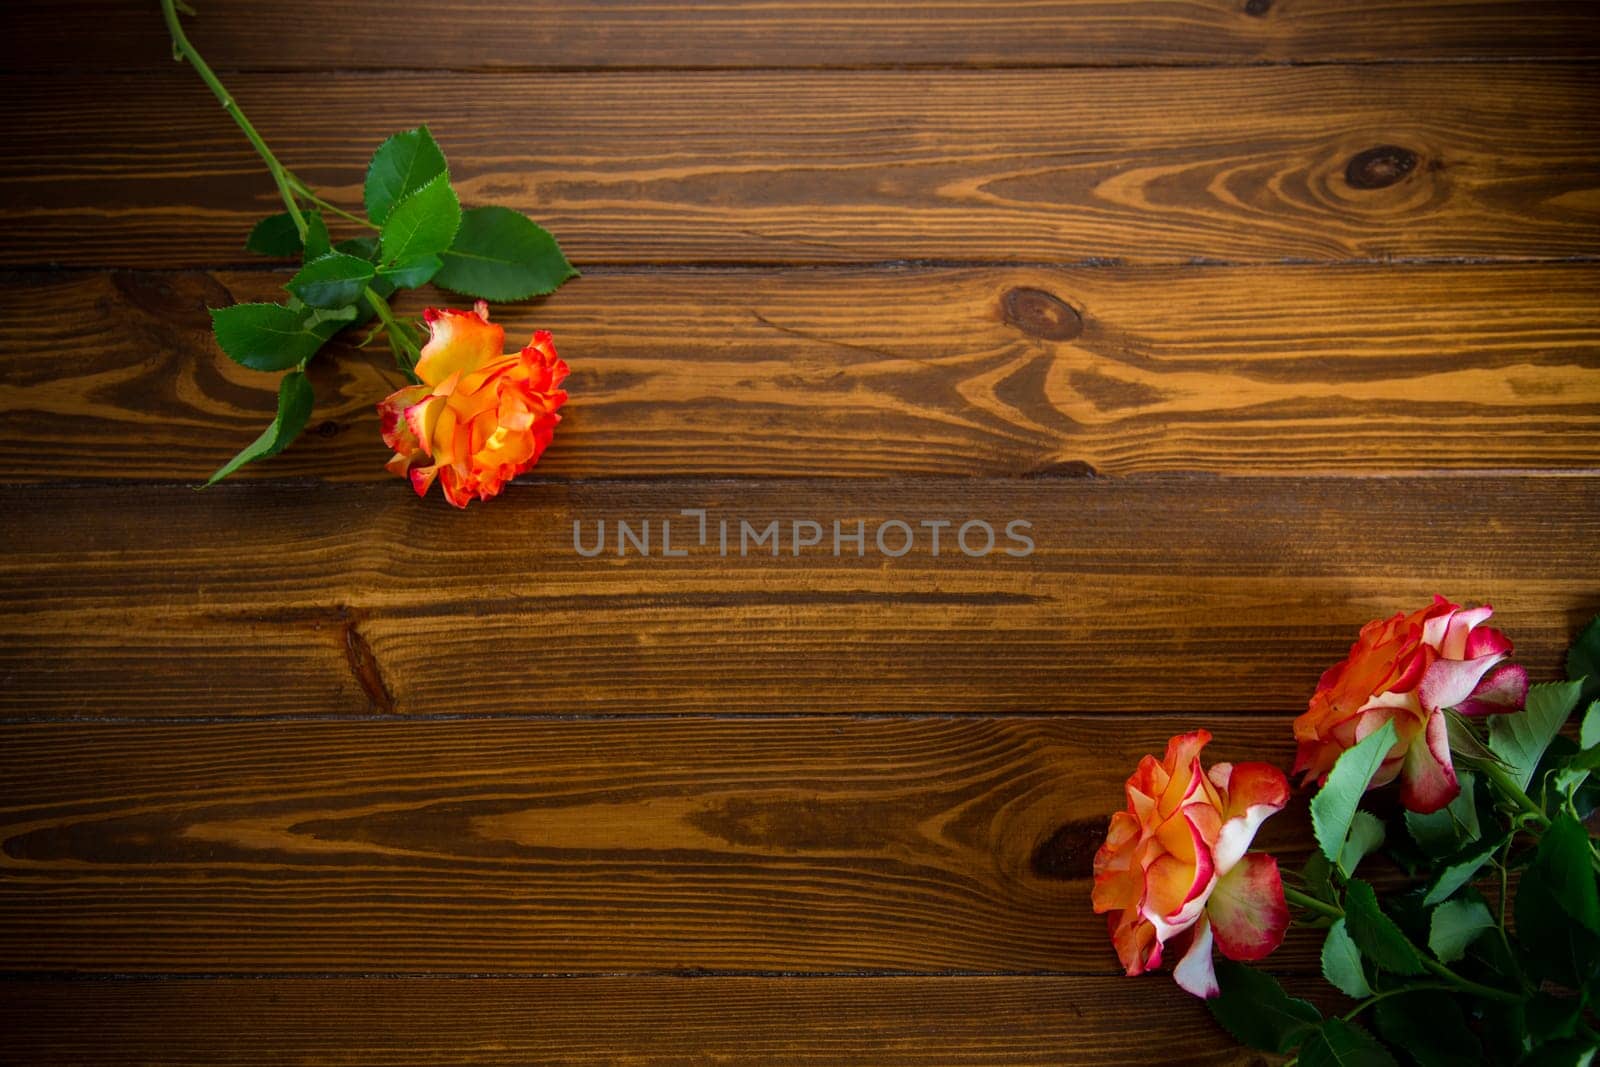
(1503, 1029)
(1520, 738)
(268, 336)
(275, 236)
(1334, 806)
(500, 254)
(1375, 934)
(1583, 660)
(294, 411)
(423, 224)
(365, 246)
(1565, 860)
(412, 274)
(1457, 870)
(401, 165)
(1317, 875)
(1341, 963)
(1442, 832)
(1550, 946)
(1429, 1025)
(1550, 896)
(1337, 1043)
(1366, 835)
(1578, 768)
(1551, 1018)
(1455, 925)
(318, 243)
(1254, 1008)
(1571, 1053)
(334, 281)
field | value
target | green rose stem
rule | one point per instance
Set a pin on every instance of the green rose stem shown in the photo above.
(404, 346)
(1311, 903)
(400, 339)
(1466, 985)
(184, 50)
(310, 194)
(1418, 987)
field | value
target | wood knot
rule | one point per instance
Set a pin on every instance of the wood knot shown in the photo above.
(1069, 852)
(1041, 314)
(1380, 167)
(172, 299)
(364, 667)
(1067, 468)
(1257, 8)
(329, 428)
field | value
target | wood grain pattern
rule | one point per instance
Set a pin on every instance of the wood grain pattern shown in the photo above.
(1188, 595)
(303, 770)
(641, 1022)
(470, 34)
(578, 846)
(856, 373)
(1160, 165)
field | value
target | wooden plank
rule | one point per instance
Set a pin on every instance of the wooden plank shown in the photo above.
(880, 1022)
(1158, 165)
(1180, 594)
(854, 373)
(819, 845)
(573, 34)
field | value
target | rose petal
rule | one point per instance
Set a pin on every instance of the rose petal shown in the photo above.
(1410, 669)
(461, 342)
(1451, 681)
(420, 420)
(1428, 779)
(1436, 620)
(1183, 757)
(1175, 890)
(1195, 972)
(1486, 641)
(422, 478)
(391, 411)
(1462, 623)
(1503, 689)
(1118, 883)
(1255, 792)
(1135, 942)
(1247, 909)
(454, 486)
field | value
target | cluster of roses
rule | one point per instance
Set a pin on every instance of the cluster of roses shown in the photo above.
(1175, 874)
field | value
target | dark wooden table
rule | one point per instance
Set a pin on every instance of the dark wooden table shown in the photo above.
(1270, 317)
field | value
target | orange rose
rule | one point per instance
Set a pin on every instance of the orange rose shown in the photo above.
(1408, 670)
(1174, 873)
(481, 416)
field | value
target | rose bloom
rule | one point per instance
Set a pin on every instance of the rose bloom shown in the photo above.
(1408, 670)
(1173, 873)
(481, 416)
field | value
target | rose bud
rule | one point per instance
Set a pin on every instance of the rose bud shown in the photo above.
(481, 416)
(1408, 670)
(1174, 874)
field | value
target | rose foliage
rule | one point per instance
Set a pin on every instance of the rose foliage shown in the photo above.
(1442, 777)
(411, 230)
